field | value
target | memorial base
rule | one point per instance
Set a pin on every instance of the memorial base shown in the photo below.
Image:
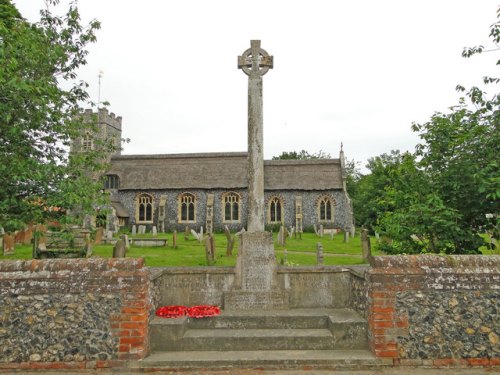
(255, 285)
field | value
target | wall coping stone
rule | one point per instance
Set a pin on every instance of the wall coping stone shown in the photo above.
(427, 261)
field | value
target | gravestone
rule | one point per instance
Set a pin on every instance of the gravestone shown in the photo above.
(332, 234)
(319, 253)
(321, 231)
(346, 236)
(174, 239)
(230, 241)
(255, 283)
(365, 245)
(134, 230)
(186, 233)
(154, 231)
(119, 249)
(9, 243)
(210, 249)
(99, 233)
(109, 236)
(125, 240)
(281, 236)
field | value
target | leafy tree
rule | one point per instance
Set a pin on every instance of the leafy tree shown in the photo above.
(302, 155)
(40, 103)
(442, 203)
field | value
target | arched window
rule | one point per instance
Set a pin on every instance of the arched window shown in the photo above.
(325, 209)
(187, 208)
(231, 207)
(87, 142)
(144, 208)
(112, 182)
(275, 211)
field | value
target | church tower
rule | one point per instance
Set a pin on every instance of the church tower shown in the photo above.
(108, 129)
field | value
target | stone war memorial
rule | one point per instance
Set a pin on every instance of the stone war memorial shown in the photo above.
(397, 312)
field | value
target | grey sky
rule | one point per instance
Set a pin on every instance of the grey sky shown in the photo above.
(357, 72)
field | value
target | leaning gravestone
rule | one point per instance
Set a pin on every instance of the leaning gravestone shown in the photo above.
(255, 283)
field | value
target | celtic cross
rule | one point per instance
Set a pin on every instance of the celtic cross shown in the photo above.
(255, 61)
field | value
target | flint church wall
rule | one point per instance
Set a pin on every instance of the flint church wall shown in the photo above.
(341, 209)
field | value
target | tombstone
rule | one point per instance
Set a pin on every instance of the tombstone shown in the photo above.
(230, 241)
(40, 231)
(316, 230)
(174, 239)
(291, 232)
(28, 235)
(210, 249)
(321, 231)
(142, 229)
(319, 253)
(9, 243)
(346, 236)
(125, 240)
(186, 233)
(119, 249)
(99, 234)
(365, 245)
(134, 230)
(109, 235)
(154, 231)
(332, 234)
(377, 236)
(285, 257)
(282, 236)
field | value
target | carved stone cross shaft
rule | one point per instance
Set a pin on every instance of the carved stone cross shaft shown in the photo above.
(255, 62)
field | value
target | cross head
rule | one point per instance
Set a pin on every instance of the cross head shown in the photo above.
(255, 61)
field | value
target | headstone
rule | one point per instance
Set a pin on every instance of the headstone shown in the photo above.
(186, 233)
(319, 253)
(142, 229)
(134, 230)
(99, 233)
(125, 240)
(109, 235)
(210, 213)
(154, 231)
(230, 241)
(346, 236)
(377, 236)
(321, 231)
(316, 230)
(365, 245)
(40, 232)
(281, 236)
(28, 235)
(291, 232)
(174, 239)
(9, 243)
(285, 257)
(119, 249)
(210, 249)
(332, 234)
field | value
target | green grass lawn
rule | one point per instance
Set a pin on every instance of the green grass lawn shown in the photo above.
(192, 253)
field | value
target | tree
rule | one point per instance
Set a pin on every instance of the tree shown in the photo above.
(442, 203)
(40, 107)
(302, 155)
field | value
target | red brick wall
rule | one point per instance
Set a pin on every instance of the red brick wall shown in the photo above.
(445, 293)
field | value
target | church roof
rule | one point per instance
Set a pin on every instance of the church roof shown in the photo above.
(221, 170)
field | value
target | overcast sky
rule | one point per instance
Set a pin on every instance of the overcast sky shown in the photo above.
(357, 72)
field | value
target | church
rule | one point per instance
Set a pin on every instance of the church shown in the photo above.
(172, 191)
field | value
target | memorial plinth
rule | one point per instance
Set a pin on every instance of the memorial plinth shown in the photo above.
(255, 285)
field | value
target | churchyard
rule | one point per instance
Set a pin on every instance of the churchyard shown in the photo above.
(192, 253)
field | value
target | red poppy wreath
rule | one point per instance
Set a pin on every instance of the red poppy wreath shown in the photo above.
(201, 311)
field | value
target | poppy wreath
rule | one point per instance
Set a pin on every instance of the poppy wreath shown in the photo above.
(202, 311)
(171, 311)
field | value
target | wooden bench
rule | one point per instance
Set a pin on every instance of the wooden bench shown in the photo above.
(73, 243)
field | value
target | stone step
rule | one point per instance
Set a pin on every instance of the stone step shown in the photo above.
(257, 339)
(264, 330)
(255, 359)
